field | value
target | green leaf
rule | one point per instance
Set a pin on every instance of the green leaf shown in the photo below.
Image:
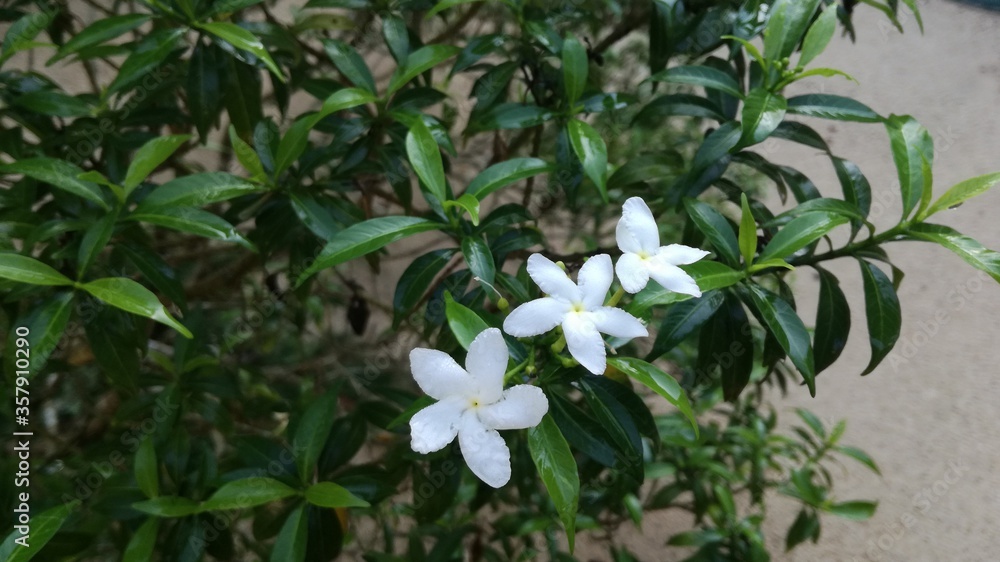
(709, 275)
(243, 39)
(20, 34)
(54, 103)
(716, 229)
(786, 24)
(149, 157)
(291, 543)
(820, 205)
(312, 432)
(833, 321)
(143, 543)
(446, 4)
(557, 468)
(658, 381)
(350, 64)
(58, 173)
(882, 309)
(682, 320)
(860, 456)
(248, 492)
(102, 30)
(191, 220)
(417, 279)
(463, 321)
(677, 104)
(29, 270)
(328, 494)
(762, 113)
(126, 294)
(962, 191)
(246, 155)
(812, 421)
(716, 146)
(726, 343)
(748, 232)
(140, 63)
(147, 469)
(397, 37)
(469, 204)
(509, 116)
(574, 69)
(341, 100)
(968, 249)
(418, 62)
(505, 173)
(44, 526)
(480, 260)
(168, 506)
(829, 106)
(781, 320)
(592, 152)
(704, 76)
(854, 510)
(204, 87)
(293, 143)
(805, 526)
(425, 157)
(363, 238)
(819, 35)
(46, 322)
(800, 232)
(911, 146)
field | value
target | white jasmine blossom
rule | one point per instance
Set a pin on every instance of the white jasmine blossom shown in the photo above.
(473, 405)
(577, 307)
(643, 257)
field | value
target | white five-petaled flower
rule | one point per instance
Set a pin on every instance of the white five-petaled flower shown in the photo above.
(578, 307)
(643, 257)
(473, 405)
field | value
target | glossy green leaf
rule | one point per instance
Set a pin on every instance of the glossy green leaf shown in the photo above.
(397, 37)
(155, 270)
(574, 67)
(829, 106)
(442, 5)
(425, 157)
(716, 229)
(292, 539)
(557, 469)
(142, 545)
(781, 320)
(247, 156)
(126, 294)
(44, 526)
(833, 321)
(243, 39)
(312, 432)
(147, 468)
(463, 321)
(683, 319)
(197, 190)
(417, 279)
(350, 64)
(102, 30)
(704, 76)
(912, 146)
(505, 173)
(204, 87)
(54, 103)
(140, 63)
(762, 113)
(726, 343)
(658, 381)
(854, 510)
(479, 259)
(963, 191)
(168, 506)
(592, 152)
(19, 36)
(717, 145)
(468, 204)
(509, 116)
(293, 143)
(418, 62)
(709, 275)
(677, 104)
(786, 24)
(149, 157)
(24, 269)
(883, 312)
(968, 249)
(819, 35)
(58, 173)
(191, 220)
(800, 232)
(328, 494)
(363, 238)
(748, 232)
(247, 492)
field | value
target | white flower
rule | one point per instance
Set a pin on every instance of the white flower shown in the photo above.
(579, 308)
(473, 405)
(643, 257)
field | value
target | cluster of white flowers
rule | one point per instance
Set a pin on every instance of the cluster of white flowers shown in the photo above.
(472, 403)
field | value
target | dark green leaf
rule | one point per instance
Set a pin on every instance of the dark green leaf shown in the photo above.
(882, 309)
(799, 233)
(102, 30)
(574, 67)
(781, 320)
(762, 113)
(204, 87)
(557, 468)
(291, 543)
(58, 173)
(143, 543)
(243, 39)
(248, 492)
(748, 232)
(140, 63)
(350, 64)
(657, 381)
(416, 281)
(191, 220)
(328, 494)
(509, 116)
(716, 229)
(147, 468)
(829, 106)
(418, 62)
(149, 157)
(709, 275)
(479, 258)
(682, 319)
(311, 433)
(704, 76)
(54, 103)
(168, 506)
(505, 173)
(912, 151)
(833, 321)
(425, 157)
(44, 526)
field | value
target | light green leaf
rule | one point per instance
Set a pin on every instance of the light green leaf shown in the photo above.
(425, 157)
(557, 468)
(968, 249)
(248, 492)
(328, 494)
(762, 113)
(197, 190)
(149, 157)
(469, 204)
(962, 191)
(800, 232)
(143, 543)
(592, 152)
(94, 240)
(853, 510)
(418, 62)
(19, 36)
(709, 275)
(291, 543)
(463, 321)
(58, 173)
(293, 143)
(126, 294)
(659, 382)
(193, 221)
(786, 24)
(24, 269)
(364, 238)
(446, 4)
(574, 69)
(505, 173)
(748, 233)
(913, 153)
(704, 76)
(168, 506)
(830, 106)
(243, 39)
(344, 99)
(819, 35)
(247, 156)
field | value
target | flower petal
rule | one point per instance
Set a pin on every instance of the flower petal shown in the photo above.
(487, 363)
(535, 317)
(551, 278)
(673, 278)
(432, 428)
(438, 375)
(618, 323)
(679, 254)
(632, 272)
(640, 223)
(585, 343)
(521, 406)
(484, 450)
(626, 242)
(595, 279)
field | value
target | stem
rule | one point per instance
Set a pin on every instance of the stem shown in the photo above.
(514, 372)
(613, 301)
(852, 249)
(560, 344)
